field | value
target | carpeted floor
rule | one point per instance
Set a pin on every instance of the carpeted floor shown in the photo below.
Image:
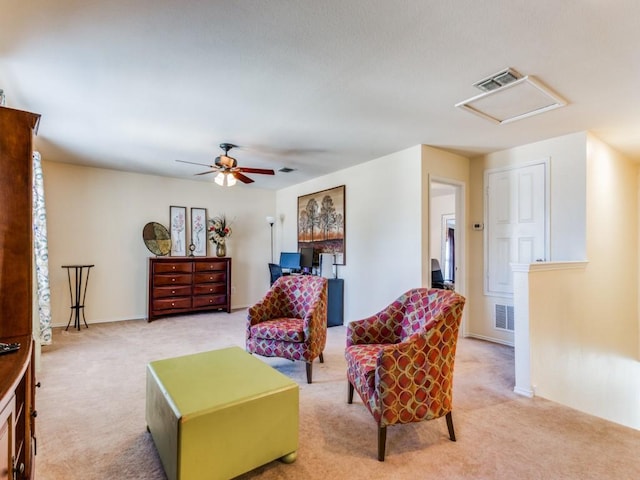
(91, 424)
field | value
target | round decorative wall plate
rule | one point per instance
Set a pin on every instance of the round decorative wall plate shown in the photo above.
(157, 239)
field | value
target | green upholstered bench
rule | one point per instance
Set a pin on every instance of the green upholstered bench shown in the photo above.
(218, 414)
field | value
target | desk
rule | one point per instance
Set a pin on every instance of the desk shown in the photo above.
(75, 292)
(335, 302)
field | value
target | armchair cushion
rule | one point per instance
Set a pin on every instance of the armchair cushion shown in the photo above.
(284, 329)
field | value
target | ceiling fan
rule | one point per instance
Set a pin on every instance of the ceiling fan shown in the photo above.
(228, 169)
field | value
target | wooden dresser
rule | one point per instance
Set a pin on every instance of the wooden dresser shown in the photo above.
(17, 389)
(188, 284)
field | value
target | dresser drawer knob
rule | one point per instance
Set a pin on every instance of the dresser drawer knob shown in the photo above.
(173, 304)
(173, 279)
(173, 291)
(173, 267)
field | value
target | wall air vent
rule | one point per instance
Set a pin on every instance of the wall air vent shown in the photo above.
(504, 317)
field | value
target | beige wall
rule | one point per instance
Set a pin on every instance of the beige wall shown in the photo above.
(96, 216)
(584, 322)
(383, 230)
(566, 157)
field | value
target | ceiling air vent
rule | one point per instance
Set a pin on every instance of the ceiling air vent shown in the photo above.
(497, 80)
(508, 96)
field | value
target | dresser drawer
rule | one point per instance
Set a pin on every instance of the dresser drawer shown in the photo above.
(172, 303)
(174, 291)
(178, 279)
(175, 267)
(209, 277)
(209, 300)
(178, 285)
(209, 288)
(210, 266)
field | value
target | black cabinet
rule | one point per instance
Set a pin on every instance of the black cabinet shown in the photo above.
(335, 300)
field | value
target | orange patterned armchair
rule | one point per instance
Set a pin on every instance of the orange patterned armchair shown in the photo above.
(290, 321)
(400, 360)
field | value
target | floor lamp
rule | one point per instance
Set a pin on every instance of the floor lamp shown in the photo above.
(271, 221)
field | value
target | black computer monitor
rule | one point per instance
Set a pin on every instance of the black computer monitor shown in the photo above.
(306, 258)
(290, 260)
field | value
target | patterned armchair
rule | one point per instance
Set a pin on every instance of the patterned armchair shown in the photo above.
(291, 320)
(400, 360)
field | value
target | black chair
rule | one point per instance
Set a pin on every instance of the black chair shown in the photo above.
(437, 279)
(275, 271)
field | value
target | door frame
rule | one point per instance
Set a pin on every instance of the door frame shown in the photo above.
(460, 247)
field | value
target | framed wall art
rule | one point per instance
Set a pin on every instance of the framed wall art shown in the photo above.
(321, 223)
(178, 229)
(199, 232)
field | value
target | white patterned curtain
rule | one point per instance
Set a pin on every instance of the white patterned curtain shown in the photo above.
(41, 253)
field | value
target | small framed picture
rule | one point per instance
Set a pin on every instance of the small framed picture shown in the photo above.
(178, 223)
(199, 232)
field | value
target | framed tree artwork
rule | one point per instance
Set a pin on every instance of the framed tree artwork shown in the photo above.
(199, 232)
(178, 226)
(321, 222)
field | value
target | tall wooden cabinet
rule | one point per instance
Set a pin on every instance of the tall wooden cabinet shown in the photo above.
(188, 284)
(17, 406)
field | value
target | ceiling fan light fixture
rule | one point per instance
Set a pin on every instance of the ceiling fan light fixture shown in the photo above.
(225, 179)
(227, 169)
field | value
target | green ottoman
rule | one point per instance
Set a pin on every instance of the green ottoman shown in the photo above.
(218, 414)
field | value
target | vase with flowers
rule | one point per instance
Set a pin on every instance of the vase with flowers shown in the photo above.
(218, 231)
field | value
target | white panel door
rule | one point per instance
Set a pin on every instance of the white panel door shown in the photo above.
(516, 223)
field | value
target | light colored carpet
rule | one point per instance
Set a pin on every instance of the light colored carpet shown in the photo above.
(91, 422)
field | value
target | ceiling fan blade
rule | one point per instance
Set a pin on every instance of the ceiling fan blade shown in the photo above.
(242, 178)
(194, 163)
(264, 171)
(204, 173)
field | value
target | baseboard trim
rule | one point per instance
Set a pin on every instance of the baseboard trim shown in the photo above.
(524, 392)
(489, 339)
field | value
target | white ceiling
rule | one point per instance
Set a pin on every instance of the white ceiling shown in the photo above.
(313, 85)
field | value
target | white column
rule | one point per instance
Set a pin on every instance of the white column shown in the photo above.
(521, 337)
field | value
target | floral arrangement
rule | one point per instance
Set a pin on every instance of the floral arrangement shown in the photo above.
(219, 229)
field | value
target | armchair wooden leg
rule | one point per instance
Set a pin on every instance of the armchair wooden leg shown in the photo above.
(452, 434)
(350, 394)
(382, 442)
(309, 371)
(321, 358)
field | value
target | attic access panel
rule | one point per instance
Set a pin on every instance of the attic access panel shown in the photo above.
(520, 99)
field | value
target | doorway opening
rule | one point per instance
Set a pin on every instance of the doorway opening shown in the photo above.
(446, 232)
